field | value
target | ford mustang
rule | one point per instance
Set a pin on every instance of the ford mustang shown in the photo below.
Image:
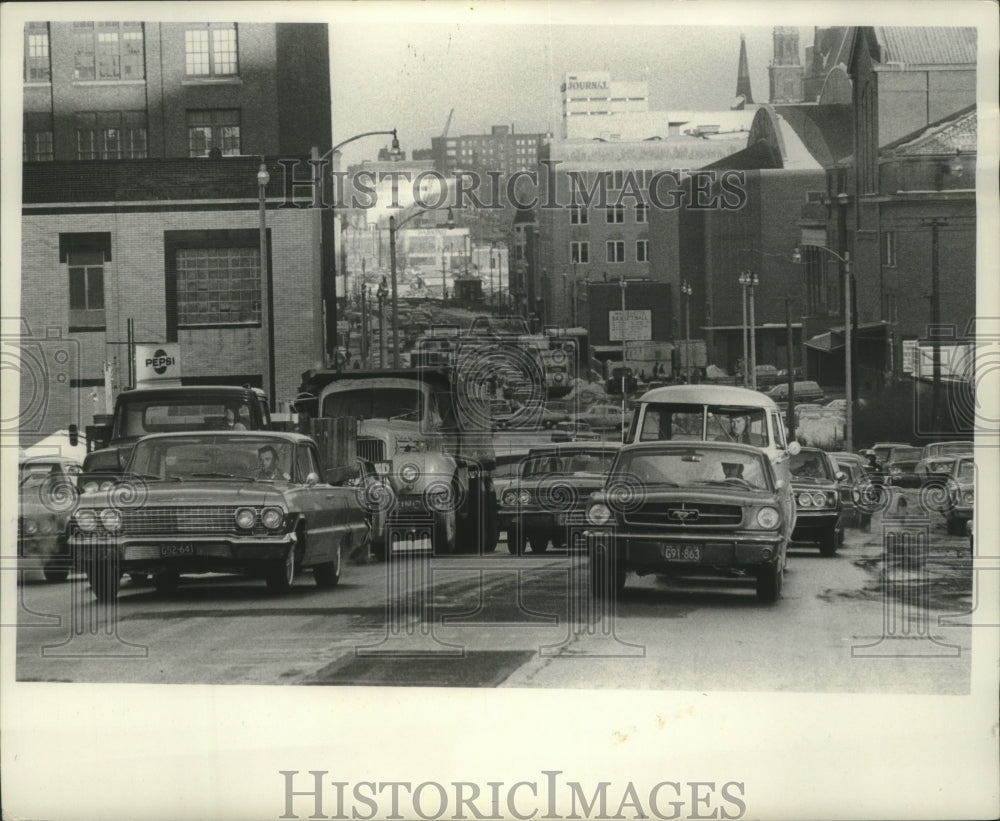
(251, 503)
(689, 509)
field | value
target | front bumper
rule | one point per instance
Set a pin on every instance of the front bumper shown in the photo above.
(652, 552)
(811, 523)
(185, 554)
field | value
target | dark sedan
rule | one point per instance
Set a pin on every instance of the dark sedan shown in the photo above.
(900, 467)
(817, 499)
(251, 503)
(548, 500)
(689, 509)
(46, 496)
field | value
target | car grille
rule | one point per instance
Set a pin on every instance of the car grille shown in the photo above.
(371, 450)
(685, 515)
(159, 520)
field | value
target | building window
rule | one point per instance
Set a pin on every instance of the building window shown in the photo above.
(640, 213)
(615, 213)
(577, 215)
(211, 50)
(218, 286)
(642, 250)
(579, 252)
(615, 250)
(36, 53)
(111, 135)
(86, 288)
(37, 137)
(213, 128)
(889, 249)
(108, 51)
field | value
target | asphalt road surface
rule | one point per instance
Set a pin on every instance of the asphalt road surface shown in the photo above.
(886, 614)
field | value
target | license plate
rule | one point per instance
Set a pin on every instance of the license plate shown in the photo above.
(411, 504)
(168, 550)
(681, 553)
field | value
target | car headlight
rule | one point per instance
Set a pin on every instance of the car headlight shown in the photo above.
(86, 520)
(818, 499)
(895, 469)
(509, 498)
(524, 498)
(29, 527)
(969, 497)
(768, 518)
(272, 517)
(245, 518)
(598, 514)
(111, 520)
(805, 500)
(107, 484)
(409, 473)
(91, 487)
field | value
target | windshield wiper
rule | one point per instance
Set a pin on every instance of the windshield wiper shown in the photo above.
(222, 476)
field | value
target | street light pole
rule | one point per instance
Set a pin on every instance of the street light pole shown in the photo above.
(686, 291)
(263, 178)
(845, 263)
(753, 334)
(381, 294)
(624, 349)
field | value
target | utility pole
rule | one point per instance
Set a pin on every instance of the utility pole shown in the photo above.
(934, 224)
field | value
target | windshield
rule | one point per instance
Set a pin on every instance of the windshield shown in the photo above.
(905, 455)
(695, 466)
(809, 464)
(166, 415)
(664, 422)
(377, 403)
(35, 474)
(595, 463)
(965, 471)
(212, 457)
(950, 448)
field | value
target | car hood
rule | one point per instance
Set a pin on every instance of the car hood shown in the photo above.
(187, 494)
(696, 493)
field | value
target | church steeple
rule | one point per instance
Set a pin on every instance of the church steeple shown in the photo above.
(743, 75)
(785, 72)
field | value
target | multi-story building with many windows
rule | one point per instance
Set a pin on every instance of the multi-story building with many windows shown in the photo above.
(99, 90)
(141, 208)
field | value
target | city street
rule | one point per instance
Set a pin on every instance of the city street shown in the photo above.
(859, 622)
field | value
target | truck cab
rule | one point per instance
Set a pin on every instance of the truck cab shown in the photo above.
(431, 446)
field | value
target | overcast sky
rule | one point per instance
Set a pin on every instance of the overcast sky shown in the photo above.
(410, 75)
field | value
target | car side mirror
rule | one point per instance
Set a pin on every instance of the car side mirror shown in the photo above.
(312, 479)
(794, 448)
(841, 476)
(780, 484)
(342, 473)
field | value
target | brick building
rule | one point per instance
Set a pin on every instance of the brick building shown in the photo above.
(140, 210)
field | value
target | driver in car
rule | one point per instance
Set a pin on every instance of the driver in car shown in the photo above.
(267, 464)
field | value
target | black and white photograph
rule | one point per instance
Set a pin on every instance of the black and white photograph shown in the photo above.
(500, 410)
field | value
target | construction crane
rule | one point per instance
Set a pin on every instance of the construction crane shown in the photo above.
(447, 124)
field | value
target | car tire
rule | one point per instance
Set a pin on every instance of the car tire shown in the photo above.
(539, 540)
(515, 539)
(327, 574)
(55, 574)
(445, 533)
(769, 579)
(166, 582)
(605, 575)
(104, 578)
(829, 542)
(280, 576)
